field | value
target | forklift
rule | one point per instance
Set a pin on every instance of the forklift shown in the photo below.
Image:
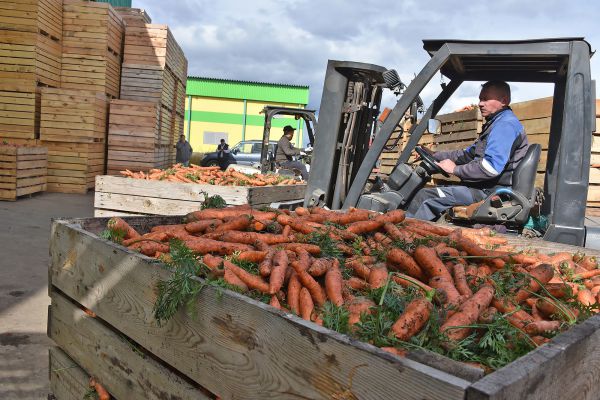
(343, 161)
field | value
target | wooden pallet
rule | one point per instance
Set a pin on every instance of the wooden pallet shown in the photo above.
(134, 16)
(20, 115)
(73, 116)
(115, 194)
(236, 347)
(23, 171)
(72, 167)
(92, 47)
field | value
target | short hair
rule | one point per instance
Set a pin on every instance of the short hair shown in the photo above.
(500, 86)
(222, 140)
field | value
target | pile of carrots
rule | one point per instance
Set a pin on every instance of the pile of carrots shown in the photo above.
(210, 176)
(463, 277)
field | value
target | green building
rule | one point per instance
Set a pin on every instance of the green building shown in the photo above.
(218, 109)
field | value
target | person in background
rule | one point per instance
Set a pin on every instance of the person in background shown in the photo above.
(485, 165)
(184, 151)
(223, 154)
(286, 152)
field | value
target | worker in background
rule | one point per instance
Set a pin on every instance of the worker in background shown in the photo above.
(486, 164)
(223, 154)
(184, 151)
(286, 152)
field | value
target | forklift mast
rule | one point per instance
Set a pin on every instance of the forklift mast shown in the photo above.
(564, 62)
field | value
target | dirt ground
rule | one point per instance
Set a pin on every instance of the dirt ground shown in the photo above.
(24, 234)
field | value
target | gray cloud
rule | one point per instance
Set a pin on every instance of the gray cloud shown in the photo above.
(291, 41)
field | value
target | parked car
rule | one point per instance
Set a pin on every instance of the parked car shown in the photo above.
(246, 152)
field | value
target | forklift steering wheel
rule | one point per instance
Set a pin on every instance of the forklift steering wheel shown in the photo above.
(430, 162)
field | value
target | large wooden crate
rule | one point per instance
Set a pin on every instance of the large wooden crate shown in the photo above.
(134, 16)
(121, 196)
(135, 136)
(92, 47)
(20, 115)
(23, 171)
(69, 115)
(73, 167)
(38, 16)
(236, 347)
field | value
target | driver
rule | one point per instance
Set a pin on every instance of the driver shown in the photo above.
(286, 151)
(486, 164)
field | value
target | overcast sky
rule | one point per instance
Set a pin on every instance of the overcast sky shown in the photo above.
(291, 41)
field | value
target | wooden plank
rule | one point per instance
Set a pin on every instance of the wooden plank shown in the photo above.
(149, 205)
(553, 368)
(125, 371)
(68, 381)
(538, 108)
(233, 334)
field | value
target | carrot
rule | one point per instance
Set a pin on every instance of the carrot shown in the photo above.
(117, 224)
(541, 327)
(431, 228)
(394, 217)
(264, 268)
(587, 274)
(334, 283)
(203, 246)
(382, 238)
(412, 320)
(293, 293)
(443, 250)
(306, 304)
(407, 281)
(280, 265)
(361, 227)
(231, 278)
(301, 211)
(361, 270)
(460, 280)
(100, 391)
(247, 237)
(316, 291)
(252, 281)
(540, 274)
(396, 234)
(378, 276)
(357, 307)
(286, 231)
(486, 255)
(217, 213)
(302, 258)
(252, 256)
(295, 223)
(430, 263)
(468, 313)
(275, 302)
(589, 262)
(319, 267)
(487, 315)
(395, 351)
(400, 260)
(585, 297)
(202, 225)
(447, 292)
(150, 248)
(357, 283)
(311, 248)
(238, 223)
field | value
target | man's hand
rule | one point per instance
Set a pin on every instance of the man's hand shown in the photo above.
(308, 149)
(302, 153)
(447, 165)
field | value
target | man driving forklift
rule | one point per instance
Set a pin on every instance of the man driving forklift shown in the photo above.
(486, 164)
(286, 151)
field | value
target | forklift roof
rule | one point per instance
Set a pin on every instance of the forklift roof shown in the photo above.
(536, 60)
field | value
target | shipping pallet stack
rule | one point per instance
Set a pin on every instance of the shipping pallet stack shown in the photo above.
(154, 72)
(30, 52)
(74, 118)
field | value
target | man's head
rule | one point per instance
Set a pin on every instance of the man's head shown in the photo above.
(182, 138)
(494, 96)
(288, 131)
(222, 141)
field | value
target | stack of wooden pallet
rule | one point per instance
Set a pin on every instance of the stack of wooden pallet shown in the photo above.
(22, 170)
(155, 71)
(134, 16)
(92, 47)
(30, 51)
(73, 127)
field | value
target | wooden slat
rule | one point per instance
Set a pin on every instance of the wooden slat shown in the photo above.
(68, 381)
(235, 347)
(105, 354)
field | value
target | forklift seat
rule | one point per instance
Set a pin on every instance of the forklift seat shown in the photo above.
(509, 206)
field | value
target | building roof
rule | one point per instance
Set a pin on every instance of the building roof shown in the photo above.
(116, 3)
(248, 90)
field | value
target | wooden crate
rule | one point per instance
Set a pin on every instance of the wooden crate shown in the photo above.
(92, 47)
(236, 347)
(73, 167)
(135, 136)
(134, 16)
(37, 16)
(23, 171)
(28, 59)
(20, 115)
(459, 130)
(120, 195)
(69, 115)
